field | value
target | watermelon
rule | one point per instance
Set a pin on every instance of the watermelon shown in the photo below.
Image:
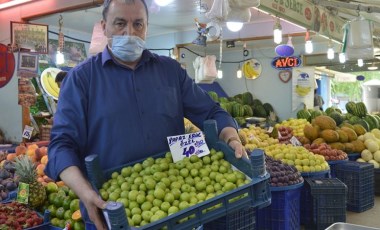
(247, 98)
(237, 110)
(361, 109)
(354, 120)
(248, 111)
(315, 113)
(329, 110)
(372, 122)
(259, 111)
(351, 108)
(256, 102)
(223, 99)
(364, 124)
(303, 114)
(213, 95)
(268, 108)
(337, 117)
(240, 120)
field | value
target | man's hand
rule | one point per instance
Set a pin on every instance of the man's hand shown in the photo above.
(94, 206)
(231, 137)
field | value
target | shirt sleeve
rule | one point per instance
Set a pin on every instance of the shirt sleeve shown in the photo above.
(69, 127)
(199, 106)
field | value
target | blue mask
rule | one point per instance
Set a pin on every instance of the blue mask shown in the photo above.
(127, 48)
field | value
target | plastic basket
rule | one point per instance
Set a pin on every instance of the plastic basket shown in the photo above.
(11, 196)
(254, 194)
(243, 220)
(284, 211)
(359, 178)
(353, 156)
(305, 195)
(333, 165)
(328, 202)
(377, 181)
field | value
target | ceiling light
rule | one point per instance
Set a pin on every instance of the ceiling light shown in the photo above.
(59, 58)
(277, 32)
(308, 44)
(163, 2)
(330, 52)
(220, 74)
(238, 72)
(12, 3)
(372, 67)
(234, 26)
(360, 62)
(342, 57)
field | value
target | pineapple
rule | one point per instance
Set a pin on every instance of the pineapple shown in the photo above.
(27, 173)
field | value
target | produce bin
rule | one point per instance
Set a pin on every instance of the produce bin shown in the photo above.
(353, 156)
(359, 178)
(306, 197)
(346, 226)
(377, 182)
(284, 211)
(244, 219)
(254, 194)
(333, 165)
(11, 196)
(328, 202)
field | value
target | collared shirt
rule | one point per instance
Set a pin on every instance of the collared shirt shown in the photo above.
(124, 115)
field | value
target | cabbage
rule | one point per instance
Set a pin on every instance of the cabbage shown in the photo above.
(366, 155)
(376, 133)
(376, 156)
(375, 163)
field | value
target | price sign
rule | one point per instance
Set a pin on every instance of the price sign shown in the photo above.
(27, 133)
(295, 141)
(186, 145)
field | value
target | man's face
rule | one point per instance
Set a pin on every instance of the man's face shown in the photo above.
(125, 19)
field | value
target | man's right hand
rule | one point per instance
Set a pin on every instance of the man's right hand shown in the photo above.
(74, 178)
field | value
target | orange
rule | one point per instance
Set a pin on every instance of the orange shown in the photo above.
(76, 215)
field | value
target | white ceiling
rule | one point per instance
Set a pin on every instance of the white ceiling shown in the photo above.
(180, 15)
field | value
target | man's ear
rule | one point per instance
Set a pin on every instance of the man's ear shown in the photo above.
(103, 24)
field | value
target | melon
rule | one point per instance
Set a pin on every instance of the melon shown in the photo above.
(325, 122)
(329, 135)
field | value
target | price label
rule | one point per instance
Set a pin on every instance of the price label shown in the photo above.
(27, 133)
(186, 145)
(295, 141)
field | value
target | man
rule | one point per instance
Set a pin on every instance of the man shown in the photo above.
(59, 78)
(122, 104)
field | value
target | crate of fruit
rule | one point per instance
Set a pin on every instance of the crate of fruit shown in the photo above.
(191, 192)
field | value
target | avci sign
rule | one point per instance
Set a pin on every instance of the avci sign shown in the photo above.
(285, 63)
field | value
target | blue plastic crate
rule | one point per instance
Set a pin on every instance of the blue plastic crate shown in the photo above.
(305, 195)
(359, 178)
(254, 194)
(243, 220)
(11, 196)
(333, 165)
(353, 156)
(284, 211)
(328, 202)
(377, 182)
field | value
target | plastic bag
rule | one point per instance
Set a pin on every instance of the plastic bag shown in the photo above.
(244, 3)
(219, 10)
(210, 71)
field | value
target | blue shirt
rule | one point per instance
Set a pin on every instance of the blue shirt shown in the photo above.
(124, 115)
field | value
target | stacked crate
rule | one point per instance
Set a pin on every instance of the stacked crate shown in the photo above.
(328, 202)
(359, 178)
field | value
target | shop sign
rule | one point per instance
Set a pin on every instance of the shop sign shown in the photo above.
(285, 63)
(7, 65)
(306, 14)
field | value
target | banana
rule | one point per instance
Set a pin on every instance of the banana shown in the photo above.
(302, 91)
(53, 84)
(47, 80)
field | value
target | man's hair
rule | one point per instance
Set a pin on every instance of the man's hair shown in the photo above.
(60, 76)
(106, 6)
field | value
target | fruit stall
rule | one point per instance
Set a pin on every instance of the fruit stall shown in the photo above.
(316, 157)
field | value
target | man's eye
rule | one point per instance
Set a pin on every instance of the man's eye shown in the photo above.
(120, 24)
(138, 25)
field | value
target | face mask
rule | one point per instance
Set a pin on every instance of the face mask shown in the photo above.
(127, 48)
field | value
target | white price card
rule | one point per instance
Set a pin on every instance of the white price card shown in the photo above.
(27, 133)
(186, 145)
(295, 141)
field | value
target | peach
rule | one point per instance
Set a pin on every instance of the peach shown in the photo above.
(40, 169)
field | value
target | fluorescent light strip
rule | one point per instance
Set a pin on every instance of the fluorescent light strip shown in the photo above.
(13, 3)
